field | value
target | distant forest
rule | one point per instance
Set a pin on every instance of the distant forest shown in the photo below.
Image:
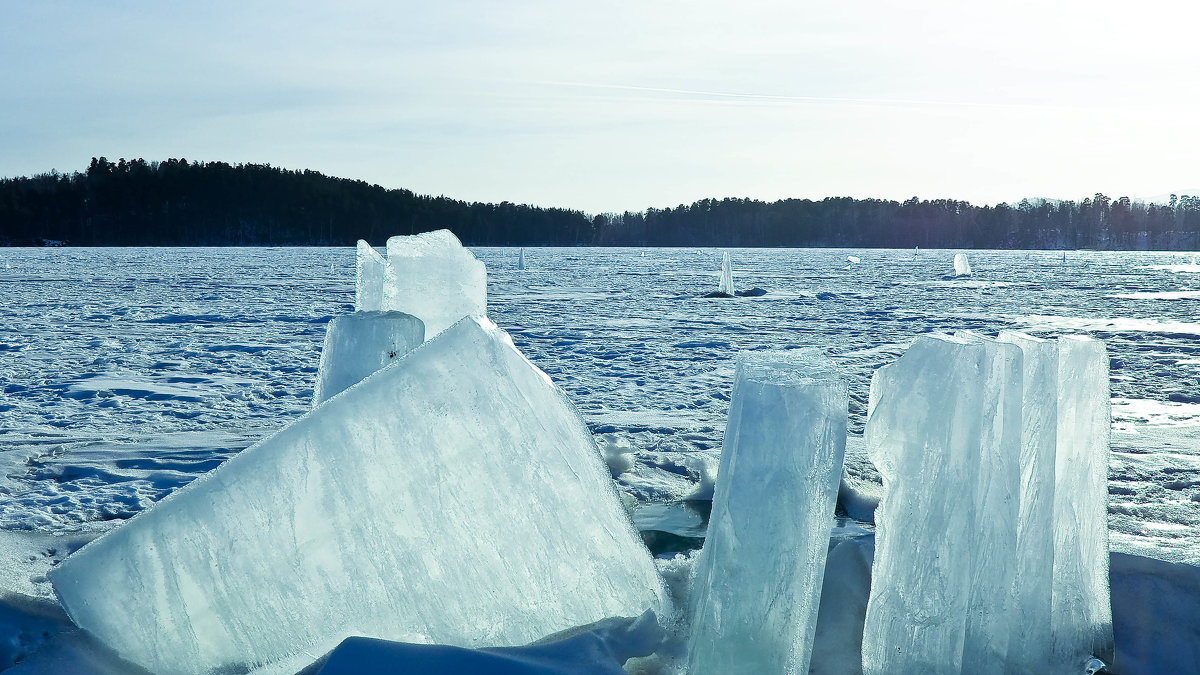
(182, 203)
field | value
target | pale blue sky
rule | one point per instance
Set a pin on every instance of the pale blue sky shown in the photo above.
(620, 105)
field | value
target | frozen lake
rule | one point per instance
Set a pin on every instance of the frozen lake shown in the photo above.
(126, 373)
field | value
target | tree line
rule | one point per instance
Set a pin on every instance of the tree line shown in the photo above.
(182, 203)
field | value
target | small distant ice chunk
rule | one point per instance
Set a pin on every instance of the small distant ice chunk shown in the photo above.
(370, 271)
(454, 498)
(434, 278)
(361, 343)
(758, 580)
(1081, 607)
(962, 268)
(726, 284)
(853, 259)
(521, 260)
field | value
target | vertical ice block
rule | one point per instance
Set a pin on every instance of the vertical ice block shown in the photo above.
(991, 618)
(962, 268)
(434, 278)
(923, 433)
(521, 260)
(726, 285)
(758, 581)
(369, 273)
(453, 497)
(1081, 610)
(361, 343)
(1029, 647)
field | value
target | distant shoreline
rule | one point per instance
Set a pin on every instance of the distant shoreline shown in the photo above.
(180, 203)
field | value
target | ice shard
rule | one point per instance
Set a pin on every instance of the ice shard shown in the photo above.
(726, 284)
(434, 278)
(923, 433)
(454, 497)
(991, 615)
(962, 268)
(369, 273)
(1029, 646)
(521, 260)
(758, 581)
(1081, 610)
(361, 343)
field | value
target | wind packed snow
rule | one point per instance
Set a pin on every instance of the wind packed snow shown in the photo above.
(405, 509)
(434, 278)
(361, 343)
(758, 581)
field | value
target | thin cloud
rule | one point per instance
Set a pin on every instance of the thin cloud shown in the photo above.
(777, 98)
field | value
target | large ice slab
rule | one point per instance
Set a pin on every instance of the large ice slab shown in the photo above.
(434, 278)
(1081, 611)
(758, 581)
(1029, 646)
(453, 497)
(370, 270)
(991, 615)
(923, 433)
(361, 343)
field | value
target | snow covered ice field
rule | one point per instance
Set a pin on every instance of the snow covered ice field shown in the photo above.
(126, 373)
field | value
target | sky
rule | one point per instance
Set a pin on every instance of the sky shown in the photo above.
(612, 106)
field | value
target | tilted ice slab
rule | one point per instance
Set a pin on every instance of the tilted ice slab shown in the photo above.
(923, 433)
(370, 270)
(434, 278)
(361, 343)
(726, 283)
(1081, 611)
(758, 581)
(454, 497)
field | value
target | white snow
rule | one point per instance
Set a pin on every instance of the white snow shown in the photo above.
(756, 592)
(437, 501)
(434, 278)
(361, 343)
